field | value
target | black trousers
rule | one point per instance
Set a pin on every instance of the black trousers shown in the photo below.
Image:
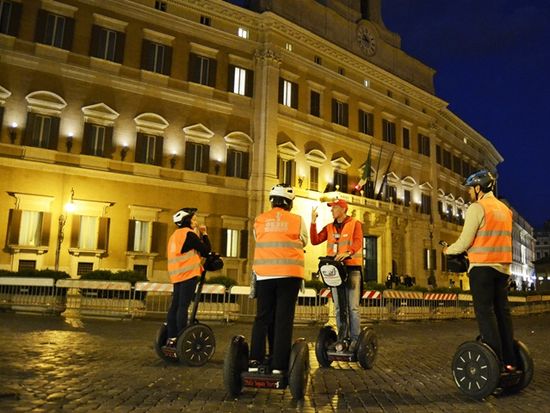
(176, 319)
(276, 302)
(490, 296)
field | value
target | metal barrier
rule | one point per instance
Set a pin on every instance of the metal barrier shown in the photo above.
(370, 306)
(442, 305)
(151, 299)
(31, 294)
(97, 298)
(307, 307)
(466, 306)
(405, 305)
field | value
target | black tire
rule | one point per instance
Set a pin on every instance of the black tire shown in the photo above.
(525, 364)
(476, 369)
(367, 348)
(298, 371)
(235, 362)
(196, 345)
(160, 340)
(326, 337)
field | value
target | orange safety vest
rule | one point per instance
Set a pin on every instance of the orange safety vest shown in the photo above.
(493, 241)
(182, 267)
(341, 242)
(279, 250)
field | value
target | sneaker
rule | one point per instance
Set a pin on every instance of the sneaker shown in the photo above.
(171, 342)
(253, 366)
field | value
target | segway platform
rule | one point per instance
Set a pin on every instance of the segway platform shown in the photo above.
(264, 380)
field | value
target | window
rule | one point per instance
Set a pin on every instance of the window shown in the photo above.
(317, 59)
(438, 154)
(406, 138)
(370, 254)
(388, 131)
(313, 178)
(107, 44)
(288, 93)
(288, 46)
(156, 57)
(202, 70)
(286, 170)
(139, 236)
(160, 5)
(341, 71)
(423, 145)
(457, 165)
(196, 157)
(41, 131)
(10, 16)
(97, 140)
(446, 159)
(429, 259)
(315, 103)
(88, 233)
(237, 163)
(366, 122)
(54, 30)
(149, 149)
(242, 33)
(426, 204)
(341, 180)
(391, 193)
(234, 243)
(30, 229)
(207, 21)
(339, 112)
(241, 81)
(26, 265)
(406, 197)
(84, 268)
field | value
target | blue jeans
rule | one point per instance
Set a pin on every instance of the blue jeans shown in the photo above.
(353, 291)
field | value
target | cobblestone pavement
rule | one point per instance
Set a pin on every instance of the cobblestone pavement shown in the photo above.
(51, 364)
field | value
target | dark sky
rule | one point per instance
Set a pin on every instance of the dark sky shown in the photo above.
(493, 67)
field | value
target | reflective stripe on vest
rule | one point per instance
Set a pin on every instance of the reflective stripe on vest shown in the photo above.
(182, 267)
(279, 252)
(343, 243)
(493, 241)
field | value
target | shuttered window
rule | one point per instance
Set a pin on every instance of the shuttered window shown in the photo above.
(202, 70)
(240, 80)
(107, 44)
(366, 122)
(149, 149)
(339, 112)
(288, 93)
(197, 157)
(286, 171)
(388, 131)
(237, 163)
(10, 17)
(423, 145)
(341, 179)
(29, 228)
(315, 103)
(54, 30)
(97, 140)
(156, 57)
(41, 131)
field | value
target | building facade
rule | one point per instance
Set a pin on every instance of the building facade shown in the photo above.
(125, 111)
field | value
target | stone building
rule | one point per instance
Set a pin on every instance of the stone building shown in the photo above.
(128, 110)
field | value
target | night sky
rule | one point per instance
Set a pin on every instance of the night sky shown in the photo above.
(493, 65)
(492, 59)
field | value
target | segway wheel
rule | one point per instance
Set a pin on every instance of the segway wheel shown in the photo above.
(235, 363)
(476, 369)
(525, 364)
(298, 371)
(160, 340)
(367, 348)
(196, 345)
(327, 337)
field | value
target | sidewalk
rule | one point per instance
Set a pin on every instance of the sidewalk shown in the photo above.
(51, 364)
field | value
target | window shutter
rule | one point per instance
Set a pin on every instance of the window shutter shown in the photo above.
(141, 144)
(75, 231)
(13, 28)
(212, 72)
(231, 78)
(119, 47)
(281, 87)
(108, 146)
(1, 115)
(54, 133)
(189, 155)
(223, 237)
(205, 158)
(244, 244)
(167, 66)
(315, 106)
(87, 139)
(292, 180)
(146, 55)
(334, 111)
(362, 118)
(14, 226)
(68, 35)
(103, 234)
(27, 137)
(246, 158)
(193, 75)
(158, 150)
(158, 241)
(131, 234)
(95, 41)
(345, 105)
(249, 84)
(230, 163)
(40, 30)
(45, 230)
(294, 100)
(370, 124)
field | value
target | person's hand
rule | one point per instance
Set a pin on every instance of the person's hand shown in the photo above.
(445, 250)
(314, 214)
(342, 256)
(202, 230)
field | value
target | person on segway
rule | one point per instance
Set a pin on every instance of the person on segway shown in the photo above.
(279, 267)
(185, 247)
(487, 238)
(344, 238)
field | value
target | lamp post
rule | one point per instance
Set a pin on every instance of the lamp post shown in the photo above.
(69, 207)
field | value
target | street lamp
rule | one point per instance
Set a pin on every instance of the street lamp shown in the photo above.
(69, 208)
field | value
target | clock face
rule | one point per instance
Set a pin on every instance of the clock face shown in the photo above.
(366, 41)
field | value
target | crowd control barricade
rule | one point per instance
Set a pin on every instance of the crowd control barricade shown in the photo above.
(151, 299)
(370, 306)
(326, 309)
(239, 304)
(518, 305)
(466, 306)
(405, 305)
(307, 307)
(31, 294)
(97, 298)
(442, 305)
(212, 302)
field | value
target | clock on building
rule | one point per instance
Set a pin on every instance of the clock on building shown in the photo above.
(366, 40)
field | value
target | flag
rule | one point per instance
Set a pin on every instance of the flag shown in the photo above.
(365, 177)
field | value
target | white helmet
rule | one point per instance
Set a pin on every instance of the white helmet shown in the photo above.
(282, 191)
(179, 216)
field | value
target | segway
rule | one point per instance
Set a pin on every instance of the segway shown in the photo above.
(196, 343)
(478, 372)
(331, 346)
(236, 374)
